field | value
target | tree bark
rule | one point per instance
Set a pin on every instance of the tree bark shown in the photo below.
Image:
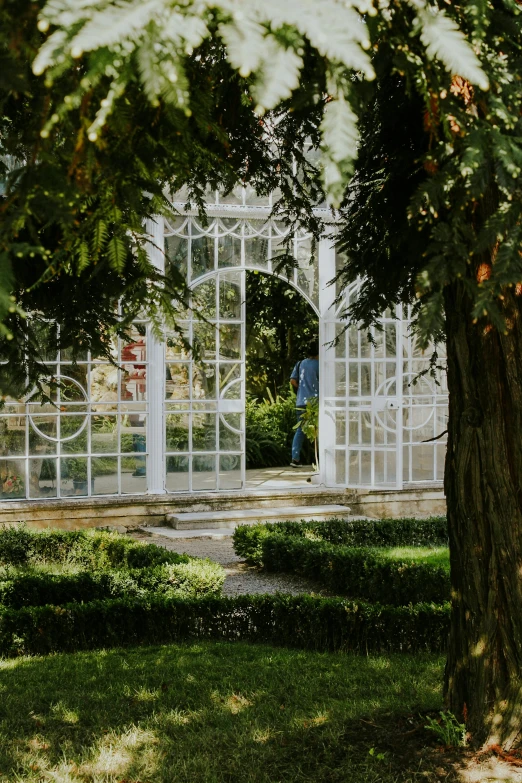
(483, 484)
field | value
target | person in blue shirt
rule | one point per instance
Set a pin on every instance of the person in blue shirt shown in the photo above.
(305, 380)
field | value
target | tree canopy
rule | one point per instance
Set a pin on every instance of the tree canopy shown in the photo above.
(106, 106)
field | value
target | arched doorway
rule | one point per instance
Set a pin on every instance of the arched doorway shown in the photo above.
(205, 392)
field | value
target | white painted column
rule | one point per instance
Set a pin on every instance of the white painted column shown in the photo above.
(155, 375)
(326, 253)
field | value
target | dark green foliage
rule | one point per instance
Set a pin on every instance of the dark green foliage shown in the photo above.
(355, 572)
(71, 234)
(248, 539)
(117, 568)
(293, 621)
(279, 327)
(270, 431)
(181, 579)
(95, 549)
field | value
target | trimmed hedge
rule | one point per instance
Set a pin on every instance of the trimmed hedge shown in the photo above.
(195, 578)
(355, 572)
(112, 566)
(353, 532)
(293, 621)
(94, 549)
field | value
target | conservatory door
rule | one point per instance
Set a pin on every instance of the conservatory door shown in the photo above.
(384, 413)
(362, 415)
(205, 389)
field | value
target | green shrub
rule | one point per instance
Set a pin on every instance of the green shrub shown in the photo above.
(293, 621)
(195, 578)
(118, 567)
(352, 532)
(270, 431)
(356, 572)
(93, 549)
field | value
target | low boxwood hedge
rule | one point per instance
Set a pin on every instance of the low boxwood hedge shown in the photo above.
(294, 621)
(352, 532)
(357, 572)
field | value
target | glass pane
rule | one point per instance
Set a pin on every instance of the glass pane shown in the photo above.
(204, 382)
(103, 383)
(202, 250)
(104, 472)
(38, 426)
(133, 433)
(204, 473)
(340, 467)
(176, 252)
(12, 435)
(353, 342)
(104, 434)
(177, 432)
(340, 379)
(204, 341)
(354, 437)
(354, 379)
(79, 443)
(256, 252)
(133, 475)
(235, 197)
(229, 437)
(229, 251)
(72, 427)
(366, 427)
(42, 478)
(12, 479)
(252, 197)
(204, 432)
(204, 299)
(440, 460)
(340, 336)
(230, 295)
(230, 381)
(340, 428)
(354, 468)
(422, 462)
(391, 339)
(230, 471)
(230, 341)
(366, 467)
(133, 384)
(177, 381)
(176, 345)
(73, 476)
(177, 474)
(366, 379)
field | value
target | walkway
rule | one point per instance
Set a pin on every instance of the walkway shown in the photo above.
(241, 578)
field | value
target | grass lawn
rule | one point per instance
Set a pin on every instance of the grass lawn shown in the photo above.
(436, 555)
(215, 713)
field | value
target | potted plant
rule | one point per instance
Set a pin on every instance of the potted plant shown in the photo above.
(12, 484)
(77, 471)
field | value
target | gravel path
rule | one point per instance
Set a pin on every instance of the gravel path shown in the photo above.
(240, 577)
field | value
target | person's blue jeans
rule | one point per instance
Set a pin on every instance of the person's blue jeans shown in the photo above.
(299, 437)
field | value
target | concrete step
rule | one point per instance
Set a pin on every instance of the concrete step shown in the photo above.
(168, 532)
(229, 518)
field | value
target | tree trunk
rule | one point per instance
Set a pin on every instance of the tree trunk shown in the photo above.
(483, 484)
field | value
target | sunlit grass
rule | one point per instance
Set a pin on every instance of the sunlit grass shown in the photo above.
(436, 556)
(209, 712)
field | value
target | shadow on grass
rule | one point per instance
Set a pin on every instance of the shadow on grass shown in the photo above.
(216, 712)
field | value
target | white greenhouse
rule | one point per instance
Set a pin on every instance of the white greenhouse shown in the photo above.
(137, 430)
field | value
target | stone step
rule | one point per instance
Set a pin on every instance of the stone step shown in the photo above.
(229, 518)
(168, 532)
